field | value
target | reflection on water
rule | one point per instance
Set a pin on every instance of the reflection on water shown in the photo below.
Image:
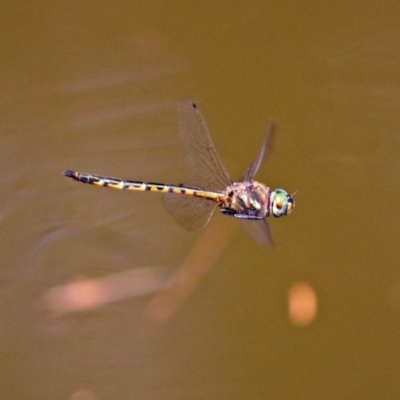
(200, 259)
(302, 304)
(84, 395)
(85, 294)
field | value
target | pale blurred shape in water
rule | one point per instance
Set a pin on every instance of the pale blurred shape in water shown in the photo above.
(83, 394)
(197, 264)
(86, 293)
(302, 304)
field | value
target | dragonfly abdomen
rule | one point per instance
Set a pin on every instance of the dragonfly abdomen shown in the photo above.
(117, 183)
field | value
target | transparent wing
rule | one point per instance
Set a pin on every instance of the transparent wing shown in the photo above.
(203, 165)
(261, 156)
(259, 230)
(191, 213)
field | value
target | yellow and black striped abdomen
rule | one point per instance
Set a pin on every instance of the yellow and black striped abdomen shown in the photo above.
(141, 186)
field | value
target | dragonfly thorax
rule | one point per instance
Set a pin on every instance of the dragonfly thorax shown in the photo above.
(248, 200)
(253, 200)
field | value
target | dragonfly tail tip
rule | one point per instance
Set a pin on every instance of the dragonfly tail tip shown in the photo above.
(69, 173)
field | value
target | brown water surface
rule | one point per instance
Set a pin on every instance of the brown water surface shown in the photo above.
(101, 295)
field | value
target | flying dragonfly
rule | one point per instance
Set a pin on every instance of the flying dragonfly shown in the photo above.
(210, 185)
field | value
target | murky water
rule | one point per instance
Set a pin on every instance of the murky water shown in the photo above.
(103, 296)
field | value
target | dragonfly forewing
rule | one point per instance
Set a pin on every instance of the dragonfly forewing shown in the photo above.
(203, 165)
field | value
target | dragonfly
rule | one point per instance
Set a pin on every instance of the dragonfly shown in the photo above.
(192, 205)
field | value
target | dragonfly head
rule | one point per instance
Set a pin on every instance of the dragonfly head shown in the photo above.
(282, 203)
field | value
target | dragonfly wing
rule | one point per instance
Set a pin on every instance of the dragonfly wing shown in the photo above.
(259, 230)
(191, 213)
(204, 167)
(261, 156)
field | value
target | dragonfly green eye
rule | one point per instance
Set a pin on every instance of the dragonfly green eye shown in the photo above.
(282, 203)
